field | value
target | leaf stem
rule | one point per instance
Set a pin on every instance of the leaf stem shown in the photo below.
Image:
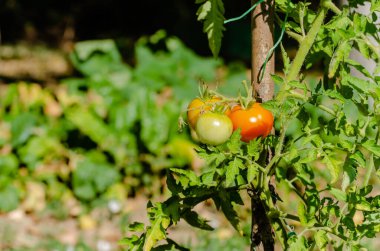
(327, 109)
(295, 36)
(278, 152)
(331, 6)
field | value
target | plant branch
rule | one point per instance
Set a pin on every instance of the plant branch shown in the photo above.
(306, 45)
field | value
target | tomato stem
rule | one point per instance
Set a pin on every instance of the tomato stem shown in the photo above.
(306, 45)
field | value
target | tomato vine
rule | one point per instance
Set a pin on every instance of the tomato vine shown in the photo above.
(326, 136)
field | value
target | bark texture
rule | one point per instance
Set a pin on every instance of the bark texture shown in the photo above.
(262, 42)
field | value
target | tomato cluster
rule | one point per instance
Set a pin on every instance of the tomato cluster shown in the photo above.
(213, 120)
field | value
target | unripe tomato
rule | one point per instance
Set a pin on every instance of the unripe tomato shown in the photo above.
(198, 106)
(213, 128)
(254, 121)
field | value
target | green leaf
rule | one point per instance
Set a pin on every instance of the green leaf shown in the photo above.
(364, 48)
(233, 170)
(195, 220)
(300, 244)
(339, 194)
(22, 128)
(349, 174)
(321, 239)
(97, 57)
(136, 227)
(189, 174)
(211, 12)
(91, 178)
(253, 174)
(234, 144)
(341, 53)
(92, 126)
(134, 243)
(363, 206)
(305, 219)
(333, 165)
(9, 197)
(361, 85)
(360, 67)
(228, 209)
(375, 6)
(208, 178)
(171, 245)
(358, 157)
(8, 165)
(254, 148)
(157, 230)
(371, 146)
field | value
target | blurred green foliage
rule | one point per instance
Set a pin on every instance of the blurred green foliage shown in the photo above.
(114, 126)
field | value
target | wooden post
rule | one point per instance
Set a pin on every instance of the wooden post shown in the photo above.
(263, 90)
(262, 42)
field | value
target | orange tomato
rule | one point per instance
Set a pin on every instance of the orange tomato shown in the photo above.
(254, 121)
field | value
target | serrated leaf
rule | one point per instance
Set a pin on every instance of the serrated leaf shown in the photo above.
(172, 184)
(359, 67)
(228, 210)
(234, 144)
(254, 148)
(371, 146)
(375, 6)
(338, 194)
(136, 227)
(340, 54)
(171, 245)
(213, 159)
(333, 165)
(211, 12)
(358, 157)
(134, 242)
(335, 95)
(280, 231)
(363, 206)
(302, 214)
(321, 239)
(233, 170)
(361, 85)
(299, 245)
(363, 48)
(157, 230)
(349, 174)
(252, 174)
(193, 178)
(208, 178)
(195, 220)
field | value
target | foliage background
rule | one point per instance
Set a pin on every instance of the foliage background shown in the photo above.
(103, 131)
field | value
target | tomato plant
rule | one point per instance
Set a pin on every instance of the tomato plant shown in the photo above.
(314, 185)
(213, 128)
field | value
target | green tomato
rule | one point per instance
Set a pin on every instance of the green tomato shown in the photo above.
(213, 128)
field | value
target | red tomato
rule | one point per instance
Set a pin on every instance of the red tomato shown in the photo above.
(254, 122)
